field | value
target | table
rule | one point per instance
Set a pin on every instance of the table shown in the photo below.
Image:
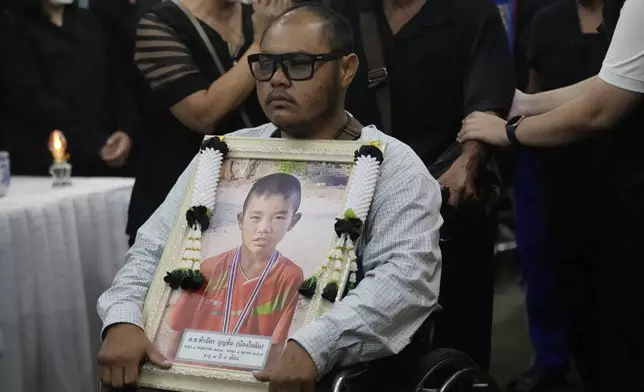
(59, 250)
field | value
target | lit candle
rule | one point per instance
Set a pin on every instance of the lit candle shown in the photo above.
(58, 147)
(60, 170)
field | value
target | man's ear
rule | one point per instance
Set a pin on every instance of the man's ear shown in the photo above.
(240, 219)
(296, 218)
(349, 67)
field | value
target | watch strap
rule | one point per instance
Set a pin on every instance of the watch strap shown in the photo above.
(511, 129)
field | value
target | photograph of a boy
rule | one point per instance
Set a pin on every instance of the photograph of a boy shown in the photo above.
(269, 211)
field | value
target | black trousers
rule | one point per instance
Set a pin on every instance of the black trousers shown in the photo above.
(598, 251)
(467, 286)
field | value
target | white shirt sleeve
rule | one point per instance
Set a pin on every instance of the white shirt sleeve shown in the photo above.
(624, 63)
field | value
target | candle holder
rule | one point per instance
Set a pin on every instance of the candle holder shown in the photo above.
(61, 173)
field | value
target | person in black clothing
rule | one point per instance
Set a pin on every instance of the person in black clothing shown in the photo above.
(59, 71)
(526, 10)
(563, 47)
(119, 19)
(600, 287)
(444, 60)
(185, 95)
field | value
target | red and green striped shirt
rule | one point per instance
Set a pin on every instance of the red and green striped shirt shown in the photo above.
(270, 315)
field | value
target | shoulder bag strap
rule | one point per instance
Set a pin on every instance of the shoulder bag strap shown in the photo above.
(374, 52)
(213, 54)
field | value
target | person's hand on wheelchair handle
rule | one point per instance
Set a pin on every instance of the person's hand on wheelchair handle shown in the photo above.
(296, 371)
(124, 349)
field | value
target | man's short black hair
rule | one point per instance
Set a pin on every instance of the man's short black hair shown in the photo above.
(282, 184)
(337, 29)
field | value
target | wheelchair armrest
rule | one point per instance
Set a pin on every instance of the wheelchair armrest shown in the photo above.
(345, 375)
(420, 344)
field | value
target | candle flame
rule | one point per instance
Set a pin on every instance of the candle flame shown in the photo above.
(58, 146)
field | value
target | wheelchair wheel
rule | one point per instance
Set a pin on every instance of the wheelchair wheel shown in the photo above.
(447, 370)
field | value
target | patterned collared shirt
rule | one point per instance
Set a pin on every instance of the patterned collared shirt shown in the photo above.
(400, 252)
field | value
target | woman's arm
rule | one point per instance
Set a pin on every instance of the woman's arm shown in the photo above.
(202, 110)
(597, 110)
(178, 83)
(536, 104)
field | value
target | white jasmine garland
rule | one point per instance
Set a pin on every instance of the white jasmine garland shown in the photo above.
(204, 194)
(360, 194)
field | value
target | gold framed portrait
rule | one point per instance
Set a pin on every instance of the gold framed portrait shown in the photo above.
(258, 225)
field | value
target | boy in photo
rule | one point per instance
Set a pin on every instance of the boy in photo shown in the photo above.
(251, 289)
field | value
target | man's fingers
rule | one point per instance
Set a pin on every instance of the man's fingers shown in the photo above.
(309, 387)
(156, 358)
(118, 151)
(470, 190)
(131, 373)
(117, 376)
(112, 139)
(454, 197)
(286, 4)
(106, 375)
(263, 376)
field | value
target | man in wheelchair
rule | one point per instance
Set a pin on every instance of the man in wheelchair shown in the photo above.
(304, 68)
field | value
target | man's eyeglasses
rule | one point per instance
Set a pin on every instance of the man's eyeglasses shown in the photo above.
(296, 66)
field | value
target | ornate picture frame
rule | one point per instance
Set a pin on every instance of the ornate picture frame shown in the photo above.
(222, 175)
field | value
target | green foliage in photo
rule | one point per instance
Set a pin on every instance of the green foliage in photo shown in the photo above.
(291, 167)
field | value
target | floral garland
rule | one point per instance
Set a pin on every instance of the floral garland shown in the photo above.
(342, 261)
(188, 274)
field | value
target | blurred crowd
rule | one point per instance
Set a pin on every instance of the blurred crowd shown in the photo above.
(134, 89)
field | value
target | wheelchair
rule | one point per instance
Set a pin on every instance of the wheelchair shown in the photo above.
(418, 368)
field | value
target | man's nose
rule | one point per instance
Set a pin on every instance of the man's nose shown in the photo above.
(279, 78)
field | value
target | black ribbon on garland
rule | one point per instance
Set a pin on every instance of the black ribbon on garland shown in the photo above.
(307, 288)
(350, 225)
(198, 214)
(216, 143)
(369, 150)
(187, 278)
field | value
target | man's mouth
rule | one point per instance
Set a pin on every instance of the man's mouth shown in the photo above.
(280, 99)
(261, 241)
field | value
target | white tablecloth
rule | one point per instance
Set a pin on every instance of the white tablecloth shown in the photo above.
(59, 250)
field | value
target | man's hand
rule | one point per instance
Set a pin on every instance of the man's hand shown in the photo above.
(485, 128)
(296, 371)
(124, 348)
(459, 179)
(116, 149)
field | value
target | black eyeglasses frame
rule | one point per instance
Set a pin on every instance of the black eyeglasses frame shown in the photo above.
(279, 59)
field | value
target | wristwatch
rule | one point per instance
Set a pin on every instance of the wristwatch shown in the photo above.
(511, 129)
